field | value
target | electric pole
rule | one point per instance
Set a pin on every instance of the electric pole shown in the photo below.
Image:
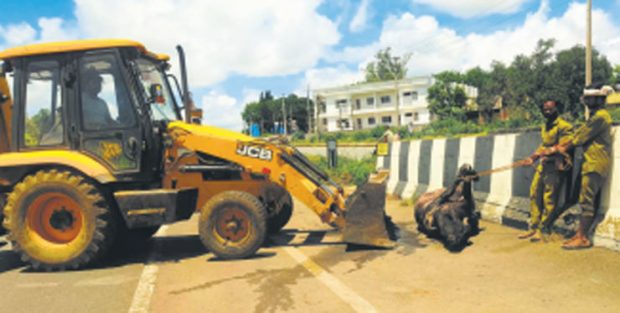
(589, 45)
(309, 118)
(588, 50)
(284, 115)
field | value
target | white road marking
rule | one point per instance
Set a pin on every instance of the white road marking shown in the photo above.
(142, 297)
(358, 303)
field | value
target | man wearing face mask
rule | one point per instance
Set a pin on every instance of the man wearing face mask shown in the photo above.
(550, 171)
(595, 138)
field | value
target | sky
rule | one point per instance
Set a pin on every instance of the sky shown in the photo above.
(238, 48)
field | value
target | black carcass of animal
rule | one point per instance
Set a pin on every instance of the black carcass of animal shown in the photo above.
(450, 214)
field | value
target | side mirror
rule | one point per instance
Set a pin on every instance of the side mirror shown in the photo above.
(156, 94)
(196, 116)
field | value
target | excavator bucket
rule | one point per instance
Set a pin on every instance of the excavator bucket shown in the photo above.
(365, 214)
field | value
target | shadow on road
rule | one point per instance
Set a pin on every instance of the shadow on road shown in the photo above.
(9, 261)
(286, 237)
(155, 250)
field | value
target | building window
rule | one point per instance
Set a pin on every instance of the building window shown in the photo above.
(386, 119)
(408, 114)
(385, 99)
(322, 107)
(344, 123)
(371, 121)
(416, 116)
(370, 101)
(359, 123)
(411, 94)
(358, 104)
(341, 102)
(324, 121)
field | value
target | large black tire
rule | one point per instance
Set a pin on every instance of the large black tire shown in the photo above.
(233, 225)
(280, 218)
(57, 220)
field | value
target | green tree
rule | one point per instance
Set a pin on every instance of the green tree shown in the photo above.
(616, 78)
(267, 111)
(567, 77)
(387, 67)
(447, 100)
(36, 126)
(449, 77)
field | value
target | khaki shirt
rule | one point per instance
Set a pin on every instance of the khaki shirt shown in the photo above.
(560, 131)
(595, 137)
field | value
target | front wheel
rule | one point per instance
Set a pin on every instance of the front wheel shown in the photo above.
(233, 225)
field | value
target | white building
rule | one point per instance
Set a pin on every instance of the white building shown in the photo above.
(367, 105)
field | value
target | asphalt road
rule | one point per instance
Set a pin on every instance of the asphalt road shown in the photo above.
(306, 268)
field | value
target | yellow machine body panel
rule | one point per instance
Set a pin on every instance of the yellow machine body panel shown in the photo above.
(5, 116)
(255, 156)
(76, 45)
(72, 159)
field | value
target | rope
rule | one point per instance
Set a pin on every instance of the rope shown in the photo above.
(565, 165)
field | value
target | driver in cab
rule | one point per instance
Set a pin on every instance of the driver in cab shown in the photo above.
(95, 112)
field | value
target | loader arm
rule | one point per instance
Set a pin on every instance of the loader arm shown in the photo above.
(279, 163)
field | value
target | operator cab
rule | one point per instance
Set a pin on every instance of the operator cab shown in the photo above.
(110, 99)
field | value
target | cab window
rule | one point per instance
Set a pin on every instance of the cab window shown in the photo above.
(43, 118)
(104, 98)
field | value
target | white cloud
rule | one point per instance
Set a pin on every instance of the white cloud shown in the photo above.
(17, 34)
(473, 8)
(436, 48)
(56, 29)
(358, 23)
(329, 77)
(220, 109)
(250, 95)
(255, 38)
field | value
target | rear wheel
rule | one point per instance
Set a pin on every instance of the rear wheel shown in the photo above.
(281, 217)
(56, 220)
(233, 225)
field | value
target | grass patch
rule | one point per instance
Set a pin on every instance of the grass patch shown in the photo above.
(436, 129)
(349, 171)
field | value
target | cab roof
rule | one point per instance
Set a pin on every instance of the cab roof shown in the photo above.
(76, 45)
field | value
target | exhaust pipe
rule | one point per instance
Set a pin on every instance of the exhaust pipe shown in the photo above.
(188, 103)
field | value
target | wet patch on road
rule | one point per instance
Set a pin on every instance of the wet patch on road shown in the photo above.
(273, 287)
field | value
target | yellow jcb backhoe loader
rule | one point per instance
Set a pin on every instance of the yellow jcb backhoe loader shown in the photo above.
(95, 149)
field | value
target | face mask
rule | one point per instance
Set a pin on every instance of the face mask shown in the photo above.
(550, 115)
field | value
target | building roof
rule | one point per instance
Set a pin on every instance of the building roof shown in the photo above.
(76, 45)
(376, 86)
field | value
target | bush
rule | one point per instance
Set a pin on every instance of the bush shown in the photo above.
(615, 114)
(348, 171)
